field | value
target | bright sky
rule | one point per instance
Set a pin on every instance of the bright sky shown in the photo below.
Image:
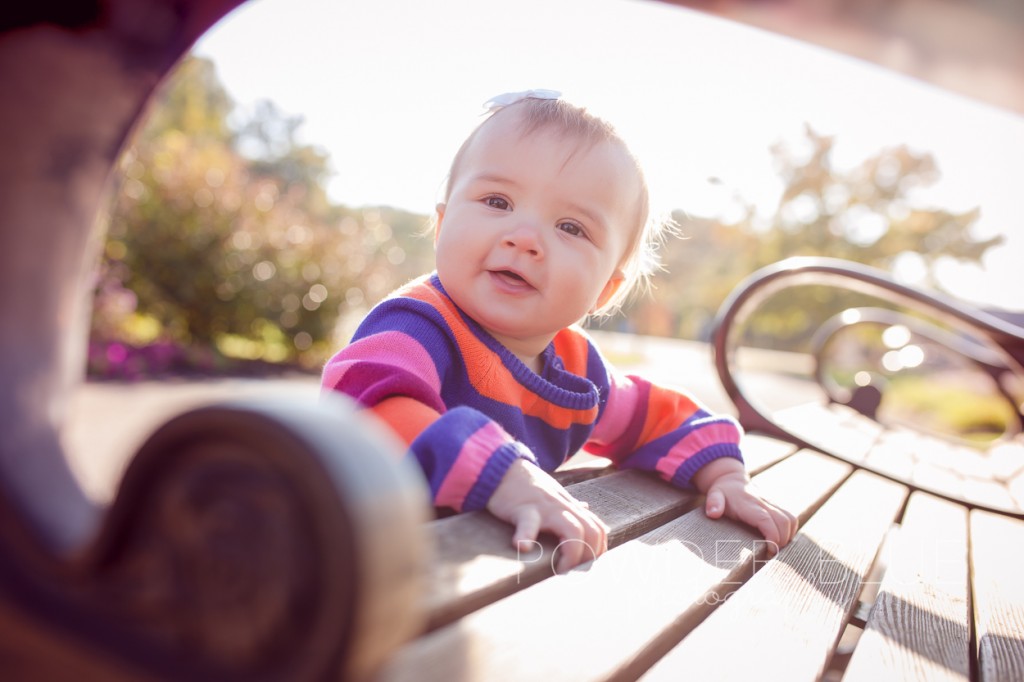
(390, 88)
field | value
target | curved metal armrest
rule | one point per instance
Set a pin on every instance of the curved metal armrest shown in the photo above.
(978, 354)
(1006, 338)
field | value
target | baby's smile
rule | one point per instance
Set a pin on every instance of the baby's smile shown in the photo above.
(511, 279)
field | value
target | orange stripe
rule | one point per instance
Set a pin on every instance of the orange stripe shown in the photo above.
(666, 410)
(406, 416)
(489, 376)
(572, 347)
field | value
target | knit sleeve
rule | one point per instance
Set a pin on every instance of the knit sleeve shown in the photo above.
(653, 428)
(465, 455)
(398, 350)
(396, 366)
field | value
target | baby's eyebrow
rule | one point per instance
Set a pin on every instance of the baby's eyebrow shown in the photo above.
(495, 178)
(593, 217)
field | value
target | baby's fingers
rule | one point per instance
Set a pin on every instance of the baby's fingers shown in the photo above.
(777, 525)
(766, 523)
(582, 537)
(714, 506)
(788, 524)
(595, 534)
(572, 543)
(527, 527)
(756, 514)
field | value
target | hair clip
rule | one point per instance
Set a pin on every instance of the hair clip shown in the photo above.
(509, 98)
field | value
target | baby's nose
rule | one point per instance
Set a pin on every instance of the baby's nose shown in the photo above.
(524, 238)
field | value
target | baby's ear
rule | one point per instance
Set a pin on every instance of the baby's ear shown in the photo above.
(610, 288)
(437, 221)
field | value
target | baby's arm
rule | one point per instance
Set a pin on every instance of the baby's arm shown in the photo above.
(665, 431)
(533, 501)
(730, 493)
(471, 462)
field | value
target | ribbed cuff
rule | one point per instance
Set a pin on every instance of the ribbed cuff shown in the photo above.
(493, 473)
(683, 475)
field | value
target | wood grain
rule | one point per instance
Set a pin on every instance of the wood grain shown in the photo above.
(475, 563)
(834, 429)
(611, 618)
(894, 454)
(997, 547)
(760, 452)
(922, 461)
(919, 627)
(789, 616)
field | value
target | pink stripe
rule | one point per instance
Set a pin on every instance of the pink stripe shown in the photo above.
(694, 442)
(619, 410)
(390, 348)
(472, 459)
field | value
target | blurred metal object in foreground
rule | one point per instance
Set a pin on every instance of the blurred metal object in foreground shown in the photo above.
(972, 47)
(252, 540)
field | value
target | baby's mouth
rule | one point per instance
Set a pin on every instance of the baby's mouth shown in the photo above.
(511, 278)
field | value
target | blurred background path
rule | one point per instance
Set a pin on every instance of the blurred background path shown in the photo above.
(110, 420)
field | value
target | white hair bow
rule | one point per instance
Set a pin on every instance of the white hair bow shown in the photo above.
(508, 98)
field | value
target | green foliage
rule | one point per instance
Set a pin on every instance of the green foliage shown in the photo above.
(866, 214)
(950, 406)
(208, 246)
(221, 236)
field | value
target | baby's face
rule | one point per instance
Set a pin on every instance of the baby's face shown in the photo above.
(534, 230)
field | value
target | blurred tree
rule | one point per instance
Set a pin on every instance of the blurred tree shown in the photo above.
(239, 251)
(223, 236)
(193, 101)
(867, 214)
(268, 139)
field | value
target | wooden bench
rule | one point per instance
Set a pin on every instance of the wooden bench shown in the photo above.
(905, 566)
(678, 595)
(276, 540)
(881, 580)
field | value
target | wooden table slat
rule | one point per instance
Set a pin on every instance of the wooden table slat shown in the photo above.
(833, 428)
(997, 546)
(990, 494)
(760, 452)
(583, 467)
(948, 469)
(894, 455)
(1006, 459)
(919, 627)
(624, 609)
(1015, 486)
(789, 616)
(475, 563)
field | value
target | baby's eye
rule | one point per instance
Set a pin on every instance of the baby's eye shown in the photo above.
(571, 229)
(497, 202)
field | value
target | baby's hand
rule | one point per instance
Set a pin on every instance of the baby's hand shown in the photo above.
(533, 501)
(730, 493)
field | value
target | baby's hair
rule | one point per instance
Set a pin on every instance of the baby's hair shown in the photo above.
(641, 260)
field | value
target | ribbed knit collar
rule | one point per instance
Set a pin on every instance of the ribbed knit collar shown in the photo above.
(554, 383)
